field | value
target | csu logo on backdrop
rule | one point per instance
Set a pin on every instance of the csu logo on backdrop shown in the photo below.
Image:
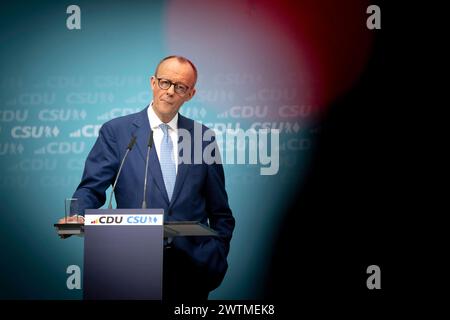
(24, 132)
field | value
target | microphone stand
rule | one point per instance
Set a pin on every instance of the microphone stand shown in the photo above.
(130, 146)
(149, 147)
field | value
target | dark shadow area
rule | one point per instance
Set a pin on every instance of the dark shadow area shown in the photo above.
(359, 203)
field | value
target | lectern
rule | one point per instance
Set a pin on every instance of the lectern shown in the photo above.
(124, 251)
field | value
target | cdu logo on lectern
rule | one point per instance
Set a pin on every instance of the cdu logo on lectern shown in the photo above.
(123, 219)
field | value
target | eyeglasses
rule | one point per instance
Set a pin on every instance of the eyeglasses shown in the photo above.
(179, 88)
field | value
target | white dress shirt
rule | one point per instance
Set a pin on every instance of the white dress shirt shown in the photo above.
(158, 134)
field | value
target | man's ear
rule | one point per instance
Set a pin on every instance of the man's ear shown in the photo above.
(191, 94)
(152, 82)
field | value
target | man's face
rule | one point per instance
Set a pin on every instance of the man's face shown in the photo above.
(166, 103)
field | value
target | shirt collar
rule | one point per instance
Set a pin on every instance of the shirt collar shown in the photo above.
(155, 121)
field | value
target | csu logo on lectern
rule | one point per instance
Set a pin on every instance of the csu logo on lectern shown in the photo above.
(141, 219)
(127, 219)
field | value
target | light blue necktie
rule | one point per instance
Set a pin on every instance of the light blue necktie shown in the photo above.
(166, 160)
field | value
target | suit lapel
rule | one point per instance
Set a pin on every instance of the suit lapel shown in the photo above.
(142, 134)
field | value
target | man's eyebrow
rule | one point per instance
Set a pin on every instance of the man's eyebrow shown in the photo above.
(166, 78)
(177, 82)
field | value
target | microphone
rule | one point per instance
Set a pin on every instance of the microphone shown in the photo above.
(149, 146)
(130, 146)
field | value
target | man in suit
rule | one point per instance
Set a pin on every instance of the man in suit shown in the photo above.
(193, 266)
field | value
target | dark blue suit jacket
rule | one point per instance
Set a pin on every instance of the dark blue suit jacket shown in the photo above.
(199, 193)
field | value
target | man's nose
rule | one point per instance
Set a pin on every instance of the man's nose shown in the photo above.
(171, 89)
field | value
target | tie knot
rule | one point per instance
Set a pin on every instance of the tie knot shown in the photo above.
(165, 128)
